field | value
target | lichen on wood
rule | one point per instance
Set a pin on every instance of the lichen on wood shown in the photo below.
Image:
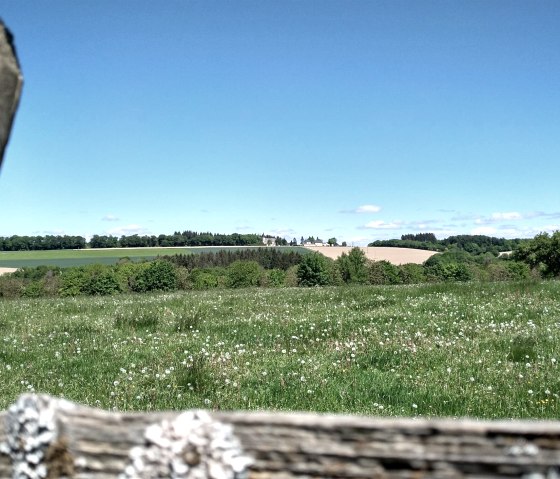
(33, 442)
(192, 446)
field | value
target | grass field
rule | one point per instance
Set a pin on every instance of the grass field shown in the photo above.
(483, 350)
(67, 258)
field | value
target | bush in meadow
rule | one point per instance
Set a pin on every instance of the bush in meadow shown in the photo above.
(11, 286)
(243, 274)
(411, 273)
(313, 270)
(542, 253)
(73, 281)
(291, 279)
(383, 272)
(156, 276)
(34, 289)
(353, 267)
(101, 280)
(202, 279)
(451, 266)
(518, 270)
(273, 278)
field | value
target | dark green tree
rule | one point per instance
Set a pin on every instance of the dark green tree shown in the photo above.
(243, 274)
(542, 253)
(157, 276)
(313, 270)
(353, 266)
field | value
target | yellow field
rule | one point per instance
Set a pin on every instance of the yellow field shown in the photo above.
(393, 255)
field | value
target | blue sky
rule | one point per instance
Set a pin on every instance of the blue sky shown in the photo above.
(361, 120)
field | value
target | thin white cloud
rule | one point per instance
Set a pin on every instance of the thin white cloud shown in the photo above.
(510, 215)
(368, 209)
(382, 225)
(537, 214)
(128, 230)
(464, 217)
(282, 232)
(484, 230)
(498, 217)
(244, 228)
(110, 217)
(364, 209)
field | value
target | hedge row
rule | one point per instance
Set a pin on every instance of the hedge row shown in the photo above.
(313, 270)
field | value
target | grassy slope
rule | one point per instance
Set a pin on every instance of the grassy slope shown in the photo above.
(66, 258)
(484, 350)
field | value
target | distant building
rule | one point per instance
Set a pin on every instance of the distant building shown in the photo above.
(268, 240)
(317, 242)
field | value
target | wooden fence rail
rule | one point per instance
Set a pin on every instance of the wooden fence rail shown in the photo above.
(44, 437)
(11, 82)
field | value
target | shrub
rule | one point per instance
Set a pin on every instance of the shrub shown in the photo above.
(183, 277)
(291, 279)
(383, 272)
(497, 271)
(454, 266)
(73, 281)
(518, 270)
(242, 274)
(353, 267)
(273, 278)
(127, 274)
(37, 273)
(51, 284)
(11, 286)
(157, 276)
(34, 290)
(542, 253)
(411, 273)
(313, 270)
(101, 280)
(204, 278)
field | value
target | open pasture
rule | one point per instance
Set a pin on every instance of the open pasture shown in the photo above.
(68, 258)
(482, 350)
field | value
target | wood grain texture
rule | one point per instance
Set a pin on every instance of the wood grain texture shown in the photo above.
(11, 82)
(92, 443)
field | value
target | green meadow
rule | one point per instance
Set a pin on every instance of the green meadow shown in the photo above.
(68, 258)
(486, 350)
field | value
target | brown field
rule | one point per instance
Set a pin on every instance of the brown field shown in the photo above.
(7, 270)
(393, 255)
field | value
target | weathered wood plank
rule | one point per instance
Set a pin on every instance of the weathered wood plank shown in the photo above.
(11, 82)
(91, 443)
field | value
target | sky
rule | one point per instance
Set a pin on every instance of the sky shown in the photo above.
(354, 119)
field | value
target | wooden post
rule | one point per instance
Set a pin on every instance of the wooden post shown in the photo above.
(43, 437)
(11, 81)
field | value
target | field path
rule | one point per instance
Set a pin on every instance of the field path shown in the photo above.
(393, 255)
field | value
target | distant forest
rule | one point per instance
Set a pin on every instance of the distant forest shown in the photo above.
(473, 244)
(186, 238)
(268, 258)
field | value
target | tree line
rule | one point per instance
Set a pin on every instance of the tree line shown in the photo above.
(186, 238)
(473, 244)
(263, 267)
(36, 243)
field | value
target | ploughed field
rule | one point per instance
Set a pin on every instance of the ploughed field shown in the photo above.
(483, 350)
